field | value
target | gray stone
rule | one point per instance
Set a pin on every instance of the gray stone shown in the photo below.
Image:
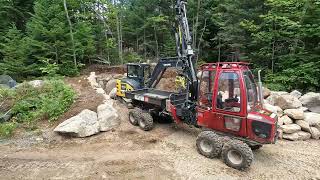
(304, 125)
(296, 94)
(294, 113)
(286, 120)
(291, 137)
(284, 101)
(113, 93)
(304, 109)
(315, 133)
(275, 109)
(279, 93)
(100, 91)
(312, 101)
(107, 117)
(82, 125)
(304, 135)
(7, 82)
(110, 85)
(290, 128)
(36, 83)
(312, 118)
(266, 92)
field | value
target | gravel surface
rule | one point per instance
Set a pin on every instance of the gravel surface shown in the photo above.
(167, 152)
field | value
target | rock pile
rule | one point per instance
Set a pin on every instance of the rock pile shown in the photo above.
(299, 115)
(88, 123)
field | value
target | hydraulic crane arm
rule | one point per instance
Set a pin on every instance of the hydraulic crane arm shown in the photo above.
(184, 49)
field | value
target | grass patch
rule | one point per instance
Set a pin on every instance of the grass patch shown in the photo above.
(6, 129)
(30, 104)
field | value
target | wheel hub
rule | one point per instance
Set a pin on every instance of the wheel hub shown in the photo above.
(206, 146)
(235, 157)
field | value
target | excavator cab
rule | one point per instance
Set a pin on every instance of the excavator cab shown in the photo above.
(137, 76)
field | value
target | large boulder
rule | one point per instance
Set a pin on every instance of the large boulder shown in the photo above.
(113, 93)
(107, 117)
(311, 101)
(312, 118)
(284, 101)
(291, 137)
(110, 85)
(266, 92)
(315, 133)
(304, 125)
(278, 93)
(296, 94)
(290, 128)
(93, 80)
(285, 120)
(304, 135)
(275, 109)
(82, 125)
(294, 113)
(7, 82)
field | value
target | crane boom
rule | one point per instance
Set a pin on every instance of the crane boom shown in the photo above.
(184, 49)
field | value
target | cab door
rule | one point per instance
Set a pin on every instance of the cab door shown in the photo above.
(205, 99)
(229, 104)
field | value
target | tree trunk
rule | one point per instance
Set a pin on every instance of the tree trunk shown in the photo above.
(272, 58)
(195, 31)
(71, 34)
(156, 39)
(119, 39)
(200, 40)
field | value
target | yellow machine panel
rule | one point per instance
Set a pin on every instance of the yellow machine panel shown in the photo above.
(122, 88)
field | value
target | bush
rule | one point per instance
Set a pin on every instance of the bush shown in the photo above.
(6, 129)
(47, 102)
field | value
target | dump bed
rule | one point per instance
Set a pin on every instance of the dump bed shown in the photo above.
(151, 96)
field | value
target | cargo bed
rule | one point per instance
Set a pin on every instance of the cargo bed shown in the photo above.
(151, 96)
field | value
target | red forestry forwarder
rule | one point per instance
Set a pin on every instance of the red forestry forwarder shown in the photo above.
(223, 100)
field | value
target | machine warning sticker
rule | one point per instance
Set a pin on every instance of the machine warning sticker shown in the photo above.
(139, 97)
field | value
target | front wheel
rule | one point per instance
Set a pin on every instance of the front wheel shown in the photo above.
(209, 144)
(237, 154)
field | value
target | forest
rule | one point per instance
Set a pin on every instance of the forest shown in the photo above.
(60, 37)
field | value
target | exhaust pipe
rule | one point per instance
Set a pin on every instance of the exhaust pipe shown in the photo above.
(260, 88)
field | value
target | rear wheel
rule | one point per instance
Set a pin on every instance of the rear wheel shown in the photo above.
(209, 144)
(237, 154)
(146, 121)
(134, 116)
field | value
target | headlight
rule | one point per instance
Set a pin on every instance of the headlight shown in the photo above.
(261, 129)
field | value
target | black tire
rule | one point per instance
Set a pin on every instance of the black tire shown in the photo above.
(237, 154)
(209, 144)
(134, 116)
(146, 121)
(256, 147)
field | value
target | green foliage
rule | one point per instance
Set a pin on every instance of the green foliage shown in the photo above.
(47, 102)
(7, 129)
(132, 57)
(279, 36)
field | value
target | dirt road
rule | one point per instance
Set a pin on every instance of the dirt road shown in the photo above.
(167, 152)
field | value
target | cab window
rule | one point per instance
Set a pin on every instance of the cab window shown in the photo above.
(135, 71)
(229, 94)
(206, 88)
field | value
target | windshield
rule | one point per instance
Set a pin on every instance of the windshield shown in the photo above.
(135, 71)
(252, 90)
